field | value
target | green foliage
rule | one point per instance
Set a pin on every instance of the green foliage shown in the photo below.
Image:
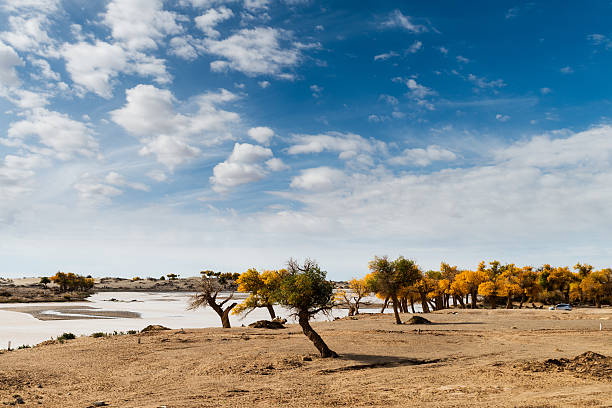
(98, 334)
(66, 336)
(305, 288)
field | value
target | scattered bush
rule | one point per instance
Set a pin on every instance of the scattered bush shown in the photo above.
(66, 336)
(98, 334)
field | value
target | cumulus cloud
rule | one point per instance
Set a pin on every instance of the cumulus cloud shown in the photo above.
(62, 136)
(567, 70)
(174, 137)
(502, 118)
(347, 145)
(317, 179)
(244, 165)
(399, 20)
(182, 47)
(207, 21)
(94, 66)
(140, 24)
(423, 157)
(261, 134)
(257, 51)
(9, 60)
(482, 82)
(27, 33)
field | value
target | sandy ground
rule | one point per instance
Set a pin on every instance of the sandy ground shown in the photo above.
(467, 358)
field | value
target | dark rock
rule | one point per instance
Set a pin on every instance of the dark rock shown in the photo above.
(153, 327)
(418, 320)
(266, 324)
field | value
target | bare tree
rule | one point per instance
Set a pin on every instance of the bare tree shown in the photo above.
(207, 296)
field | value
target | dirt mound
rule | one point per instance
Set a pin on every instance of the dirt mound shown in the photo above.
(266, 324)
(418, 320)
(586, 365)
(153, 328)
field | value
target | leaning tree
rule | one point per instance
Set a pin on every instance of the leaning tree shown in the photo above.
(305, 290)
(209, 289)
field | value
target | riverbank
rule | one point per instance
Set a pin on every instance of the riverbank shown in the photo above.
(467, 358)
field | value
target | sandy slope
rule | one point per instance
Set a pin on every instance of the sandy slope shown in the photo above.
(471, 358)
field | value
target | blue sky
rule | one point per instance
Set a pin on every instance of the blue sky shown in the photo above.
(143, 137)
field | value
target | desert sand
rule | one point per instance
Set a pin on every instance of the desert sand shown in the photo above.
(479, 358)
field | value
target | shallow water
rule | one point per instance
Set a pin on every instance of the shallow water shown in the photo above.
(166, 308)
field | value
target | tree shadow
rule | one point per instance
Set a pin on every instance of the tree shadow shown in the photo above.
(369, 361)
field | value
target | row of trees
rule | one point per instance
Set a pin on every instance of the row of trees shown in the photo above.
(401, 283)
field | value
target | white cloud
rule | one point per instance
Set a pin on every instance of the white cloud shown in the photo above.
(423, 157)
(545, 91)
(391, 100)
(28, 6)
(385, 56)
(93, 66)
(256, 4)
(317, 179)
(264, 84)
(567, 70)
(140, 24)
(348, 145)
(27, 33)
(256, 51)
(418, 91)
(398, 19)
(64, 136)
(117, 179)
(28, 100)
(244, 165)
(95, 193)
(462, 59)
(415, 47)
(157, 175)
(443, 50)
(181, 47)
(276, 164)
(481, 82)
(512, 12)
(316, 90)
(502, 118)
(207, 21)
(261, 134)
(174, 137)
(9, 60)
(45, 71)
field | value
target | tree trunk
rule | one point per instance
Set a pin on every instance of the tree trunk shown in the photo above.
(385, 303)
(395, 311)
(271, 311)
(522, 301)
(303, 320)
(412, 305)
(351, 311)
(509, 302)
(474, 299)
(460, 299)
(225, 316)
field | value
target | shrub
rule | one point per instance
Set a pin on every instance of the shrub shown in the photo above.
(98, 334)
(66, 336)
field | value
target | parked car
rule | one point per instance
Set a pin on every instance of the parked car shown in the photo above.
(561, 306)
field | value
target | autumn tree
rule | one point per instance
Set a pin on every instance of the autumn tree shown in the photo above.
(71, 282)
(561, 278)
(207, 294)
(489, 290)
(467, 282)
(391, 276)
(597, 286)
(358, 289)
(508, 283)
(528, 282)
(262, 287)
(306, 290)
